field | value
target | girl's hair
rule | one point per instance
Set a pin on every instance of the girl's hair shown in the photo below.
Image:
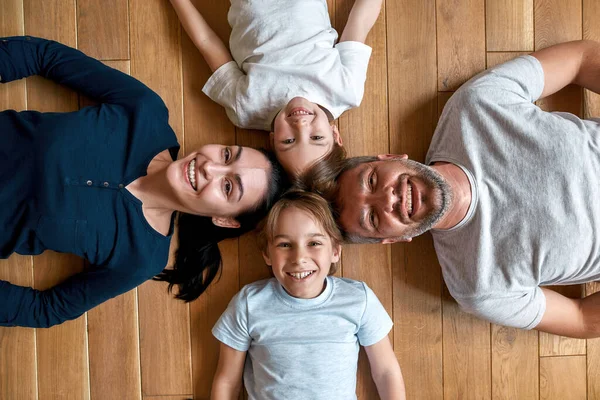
(198, 259)
(312, 204)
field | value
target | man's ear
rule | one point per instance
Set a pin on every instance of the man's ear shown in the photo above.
(267, 258)
(384, 157)
(395, 240)
(226, 222)
(336, 135)
(337, 253)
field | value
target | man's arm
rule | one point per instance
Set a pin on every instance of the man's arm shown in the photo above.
(575, 62)
(227, 382)
(579, 318)
(385, 370)
(204, 38)
(362, 17)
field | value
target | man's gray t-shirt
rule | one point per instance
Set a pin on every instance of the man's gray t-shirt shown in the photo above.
(302, 348)
(535, 214)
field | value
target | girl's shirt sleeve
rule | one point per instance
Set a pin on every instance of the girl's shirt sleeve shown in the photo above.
(375, 323)
(221, 87)
(354, 57)
(232, 327)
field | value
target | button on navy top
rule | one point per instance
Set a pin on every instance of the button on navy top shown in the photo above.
(63, 178)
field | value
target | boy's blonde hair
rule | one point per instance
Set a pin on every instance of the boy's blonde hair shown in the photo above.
(312, 204)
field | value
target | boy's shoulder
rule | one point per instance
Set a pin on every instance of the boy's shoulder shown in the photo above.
(349, 286)
(262, 288)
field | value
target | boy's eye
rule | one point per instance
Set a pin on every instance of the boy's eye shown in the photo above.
(316, 137)
(288, 141)
(283, 244)
(227, 154)
(313, 244)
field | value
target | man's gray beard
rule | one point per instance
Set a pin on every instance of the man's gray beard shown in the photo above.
(442, 192)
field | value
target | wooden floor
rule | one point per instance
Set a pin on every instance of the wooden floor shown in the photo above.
(146, 345)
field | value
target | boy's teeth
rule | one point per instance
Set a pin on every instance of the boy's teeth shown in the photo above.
(192, 173)
(301, 275)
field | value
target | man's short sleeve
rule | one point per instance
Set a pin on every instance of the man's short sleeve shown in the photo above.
(355, 57)
(232, 327)
(375, 323)
(522, 310)
(222, 85)
(517, 80)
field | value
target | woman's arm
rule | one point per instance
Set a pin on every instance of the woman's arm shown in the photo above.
(21, 57)
(362, 17)
(385, 370)
(227, 382)
(204, 38)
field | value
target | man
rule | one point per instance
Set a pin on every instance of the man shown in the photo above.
(509, 192)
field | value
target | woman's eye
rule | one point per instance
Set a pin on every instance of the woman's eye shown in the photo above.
(317, 137)
(228, 187)
(227, 154)
(288, 141)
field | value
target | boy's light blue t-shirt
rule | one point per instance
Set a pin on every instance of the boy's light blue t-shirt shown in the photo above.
(302, 348)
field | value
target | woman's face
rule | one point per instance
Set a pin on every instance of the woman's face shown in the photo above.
(219, 181)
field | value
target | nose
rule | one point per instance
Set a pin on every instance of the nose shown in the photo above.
(212, 170)
(388, 199)
(299, 256)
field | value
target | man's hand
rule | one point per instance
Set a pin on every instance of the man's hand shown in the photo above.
(578, 318)
(572, 62)
(362, 17)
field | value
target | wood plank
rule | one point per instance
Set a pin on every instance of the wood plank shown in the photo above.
(62, 350)
(593, 354)
(466, 353)
(103, 28)
(553, 345)
(113, 333)
(562, 378)
(515, 372)
(368, 263)
(461, 41)
(17, 345)
(155, 60)
(591, 31)
(412, 90)
(509, 25)
(557, 21)
(494, 59)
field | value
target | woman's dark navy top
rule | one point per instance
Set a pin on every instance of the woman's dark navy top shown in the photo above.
(63, 178)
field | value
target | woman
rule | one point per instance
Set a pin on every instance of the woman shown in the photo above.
(104, 183)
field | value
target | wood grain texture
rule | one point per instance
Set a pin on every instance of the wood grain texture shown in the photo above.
(509, 25)
(466, 353)
(562, 378)
(557, 21)
(460, 41)
(553, 345)
(515, 372)
(164, 322)
(103, 28)
(494, 59)
(591, 31)
(593, 354)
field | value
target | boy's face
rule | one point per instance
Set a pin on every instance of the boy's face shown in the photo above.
(302, 134)
(300, 254)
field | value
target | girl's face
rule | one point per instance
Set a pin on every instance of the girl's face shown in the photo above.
(301, 253)
(302, 134)
(219, 181)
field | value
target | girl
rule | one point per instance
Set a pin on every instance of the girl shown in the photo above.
(104, 183)
(289, 75)
(302, 328)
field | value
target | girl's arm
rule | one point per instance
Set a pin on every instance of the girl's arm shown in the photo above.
(204, 38)
(385, 370)
(362, 17)
(227, 382)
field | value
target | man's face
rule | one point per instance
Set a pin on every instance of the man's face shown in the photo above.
(393, 199)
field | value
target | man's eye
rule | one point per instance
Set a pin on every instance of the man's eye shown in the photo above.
(316, 137)
(227, 154)
(372, 181)
(372, 220)
(227, 187)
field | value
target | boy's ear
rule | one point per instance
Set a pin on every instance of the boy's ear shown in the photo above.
(267, 258)
(336, 135)
(337, 253)
(226, 222)
(384, 157)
